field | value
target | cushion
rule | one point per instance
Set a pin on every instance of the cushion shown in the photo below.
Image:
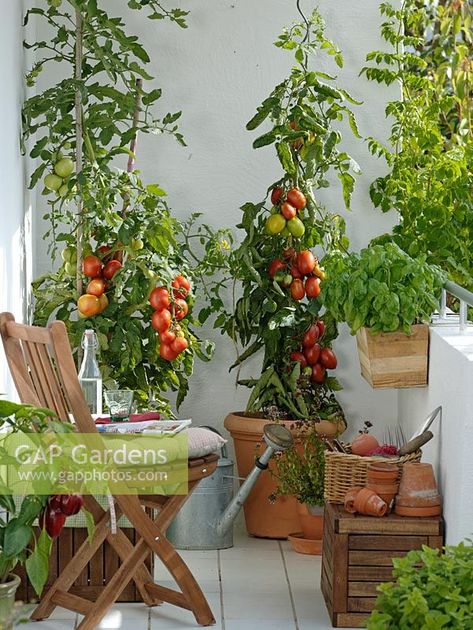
(202, 442)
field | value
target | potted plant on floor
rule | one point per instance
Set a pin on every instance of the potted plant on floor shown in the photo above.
(431, 589)
(278, 312)
(19, 545)
(384, 295)
(301, 473)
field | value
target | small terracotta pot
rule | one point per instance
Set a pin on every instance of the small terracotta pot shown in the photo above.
(387, 492)
(434, 510)
(312, 525)
(369, 503)
(350, 499)
(383, 473)
(418, 480)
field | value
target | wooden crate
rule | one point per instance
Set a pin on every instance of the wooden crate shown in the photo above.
(96, 574)
(357, 555)
(394, 359)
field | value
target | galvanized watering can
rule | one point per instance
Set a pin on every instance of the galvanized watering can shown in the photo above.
(206, 520)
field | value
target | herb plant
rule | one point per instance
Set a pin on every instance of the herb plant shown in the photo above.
(301, 471)
(274, 264)
(430, 153)
(382, 288)
(430, 590)
(119, 239)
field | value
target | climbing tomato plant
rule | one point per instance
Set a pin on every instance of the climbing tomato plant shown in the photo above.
(277, 264)
(118, 238)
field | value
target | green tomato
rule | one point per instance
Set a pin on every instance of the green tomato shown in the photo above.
(296, 227)
(279, 276)
(270, 306)
(307, 371)
(137, 244)
(64, 168)
(63, 191)
(52, 182)
(70, 269)
(69, 254)
(66, 145)
(275, 224)
(55, 3)
(285, 232)
(275, 210)
(287, 280)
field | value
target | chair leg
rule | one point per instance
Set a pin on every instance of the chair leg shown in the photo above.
(153, 537)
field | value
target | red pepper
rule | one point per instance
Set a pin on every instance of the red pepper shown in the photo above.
(53, 520)
(71, 504)
(54, 502)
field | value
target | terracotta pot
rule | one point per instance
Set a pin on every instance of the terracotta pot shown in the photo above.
(305, 545)
(434, 510)
(262, 518)
(387, 492)
(419, 501)
(350, 499)
(383, 473)
(367, 502)
(312, 525)
(417, 482)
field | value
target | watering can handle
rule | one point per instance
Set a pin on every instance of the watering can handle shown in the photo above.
(224, 449)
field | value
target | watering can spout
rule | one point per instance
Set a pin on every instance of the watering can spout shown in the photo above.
(277, 438)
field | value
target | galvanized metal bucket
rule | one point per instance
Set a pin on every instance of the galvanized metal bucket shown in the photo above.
(195, 525)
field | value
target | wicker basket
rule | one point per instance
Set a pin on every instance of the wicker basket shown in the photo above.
(344, 470)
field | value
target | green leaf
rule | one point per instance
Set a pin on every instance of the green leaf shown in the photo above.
(265, 139)
(17, 538)
(262, 113)
(285, 157)
(37, 563)
(90, 524)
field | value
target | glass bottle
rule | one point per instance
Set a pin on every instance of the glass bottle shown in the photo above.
(89, 375)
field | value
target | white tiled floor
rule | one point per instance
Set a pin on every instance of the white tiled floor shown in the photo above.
(256, 585)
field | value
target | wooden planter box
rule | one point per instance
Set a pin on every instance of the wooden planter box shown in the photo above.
(96, 574)
(394, 359)
(357, 557)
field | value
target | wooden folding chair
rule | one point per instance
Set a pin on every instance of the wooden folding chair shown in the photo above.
(44, 373)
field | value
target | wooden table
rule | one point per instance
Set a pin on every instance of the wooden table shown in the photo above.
(357, 557)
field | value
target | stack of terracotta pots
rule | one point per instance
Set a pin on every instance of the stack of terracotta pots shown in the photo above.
(384, 480)
(418, 493)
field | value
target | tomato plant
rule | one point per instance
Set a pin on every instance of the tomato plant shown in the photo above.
(110, 225)
(276, 263)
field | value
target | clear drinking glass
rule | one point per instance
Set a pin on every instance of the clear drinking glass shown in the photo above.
(119, 402)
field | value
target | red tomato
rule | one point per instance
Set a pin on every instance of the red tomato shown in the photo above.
(306, 262)
(91, 266)
(295, 272)
(297, 289)
(167, 337)
(88, 305)
(312, 354)
(298, 356)
(318, 374)
(104, 251)
(321, 327)
(103, 301)
(288, 211)
(179, 345)
(296, 198)
(312, 287)
(310, 336)
(276, 195)
(159, 298)
(111, 269)
(328, 359)
(96, 287)
(182, 287)
(166, 353)
(275, 266)
(161, 320)
(181, 308)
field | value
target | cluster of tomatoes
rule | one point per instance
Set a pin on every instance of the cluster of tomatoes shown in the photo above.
(299, 272)
(169, 310)
(57, 181)
(286, 206)
(58, 508)
(314, 359)
(101, 272)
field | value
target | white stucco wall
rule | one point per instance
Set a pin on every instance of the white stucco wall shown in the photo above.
(12, 213)
(217, 71)
(450, 378)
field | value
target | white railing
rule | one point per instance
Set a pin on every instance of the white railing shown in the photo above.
(445, 315)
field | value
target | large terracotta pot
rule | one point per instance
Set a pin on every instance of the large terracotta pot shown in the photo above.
(312, 521)
(262, 518)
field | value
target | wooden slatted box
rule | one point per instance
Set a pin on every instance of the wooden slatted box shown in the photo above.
(357, 555)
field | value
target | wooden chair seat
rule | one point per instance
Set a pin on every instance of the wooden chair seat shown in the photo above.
(42, 367)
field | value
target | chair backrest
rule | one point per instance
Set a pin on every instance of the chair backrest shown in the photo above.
(43, 369)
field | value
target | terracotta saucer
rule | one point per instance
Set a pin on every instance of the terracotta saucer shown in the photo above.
(402, 510)
(308, 546)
